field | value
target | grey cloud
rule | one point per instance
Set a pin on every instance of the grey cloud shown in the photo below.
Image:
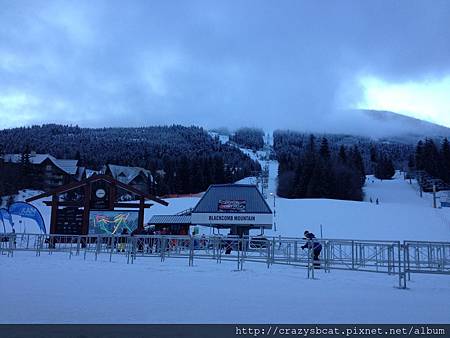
(285, 64)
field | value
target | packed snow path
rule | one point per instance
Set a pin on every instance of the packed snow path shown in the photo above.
(51, 289)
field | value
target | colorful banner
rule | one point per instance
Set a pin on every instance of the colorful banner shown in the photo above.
(27, 210)
(112, 222)
(3, 222)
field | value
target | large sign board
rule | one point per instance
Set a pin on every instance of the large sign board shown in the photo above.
(256, 220)
(232, 206)
(104, 222)
(69, 221)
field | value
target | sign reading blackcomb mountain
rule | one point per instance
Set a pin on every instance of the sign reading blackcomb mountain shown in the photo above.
(226, 205)
(232, 206)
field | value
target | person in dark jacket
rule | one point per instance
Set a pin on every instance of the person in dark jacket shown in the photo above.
(314, 245)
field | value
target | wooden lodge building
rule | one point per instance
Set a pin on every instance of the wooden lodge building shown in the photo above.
(139, 178)
(49, 172)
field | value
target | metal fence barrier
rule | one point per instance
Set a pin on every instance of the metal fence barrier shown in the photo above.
(426, 257)
(389, 257)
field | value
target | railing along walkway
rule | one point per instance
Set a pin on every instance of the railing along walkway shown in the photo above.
(389, 257)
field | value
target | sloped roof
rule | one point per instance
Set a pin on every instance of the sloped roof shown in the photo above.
(68, 166)
(90, 172)
(170, 219)
(127, 174)
(254, 201)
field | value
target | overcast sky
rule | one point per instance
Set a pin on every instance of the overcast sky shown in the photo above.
(269, 64)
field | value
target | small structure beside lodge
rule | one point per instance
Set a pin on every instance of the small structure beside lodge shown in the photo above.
(139, 178)
(95, 209)
(237, 207)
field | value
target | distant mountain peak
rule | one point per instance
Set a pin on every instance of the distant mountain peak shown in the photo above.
(387, 124)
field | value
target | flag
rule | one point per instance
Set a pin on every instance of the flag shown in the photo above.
(28, 211)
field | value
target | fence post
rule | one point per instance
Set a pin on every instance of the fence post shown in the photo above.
(238, 255)
(353, 255)
(191, 251)
(273, 250)
(243, 253)
(401, 274)
(97, 241)
(112, 247)
(78, 244)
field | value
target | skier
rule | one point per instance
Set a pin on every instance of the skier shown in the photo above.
(377, 201)
(314, 245)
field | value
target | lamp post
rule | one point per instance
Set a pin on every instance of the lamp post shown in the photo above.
(274, 211)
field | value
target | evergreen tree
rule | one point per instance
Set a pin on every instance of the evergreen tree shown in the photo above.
(342, 155)
(219, 169)
(373, 154)
(358, 164)
(419, 156)
(26, 168)
(324, 149)
(431, 158)
(384, 168)
(445, 156)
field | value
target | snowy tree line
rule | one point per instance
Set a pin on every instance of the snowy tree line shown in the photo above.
(333, 165)
(433, 159)
(251, 138)
(317, 171)
(392, 149)
(183, 159)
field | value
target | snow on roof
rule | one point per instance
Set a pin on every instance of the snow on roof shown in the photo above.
(254, 201)
(68, 166)
(90, 172)
(170, 219)
(127, 174)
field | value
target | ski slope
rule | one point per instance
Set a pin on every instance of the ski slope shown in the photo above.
(400, 215)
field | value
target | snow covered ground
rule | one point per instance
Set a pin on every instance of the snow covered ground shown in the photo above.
(54, 289)
(401, 215)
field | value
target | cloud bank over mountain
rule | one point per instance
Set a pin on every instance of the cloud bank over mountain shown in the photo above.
(295, 64)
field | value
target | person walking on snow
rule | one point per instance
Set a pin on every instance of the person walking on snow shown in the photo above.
(314, 245)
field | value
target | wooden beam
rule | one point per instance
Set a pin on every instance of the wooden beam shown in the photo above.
(131, 205)
(87, 207)
(65, 203)
(112, 195)
(109, 179)
(76, 204)
(53, 214)
(141, 213)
